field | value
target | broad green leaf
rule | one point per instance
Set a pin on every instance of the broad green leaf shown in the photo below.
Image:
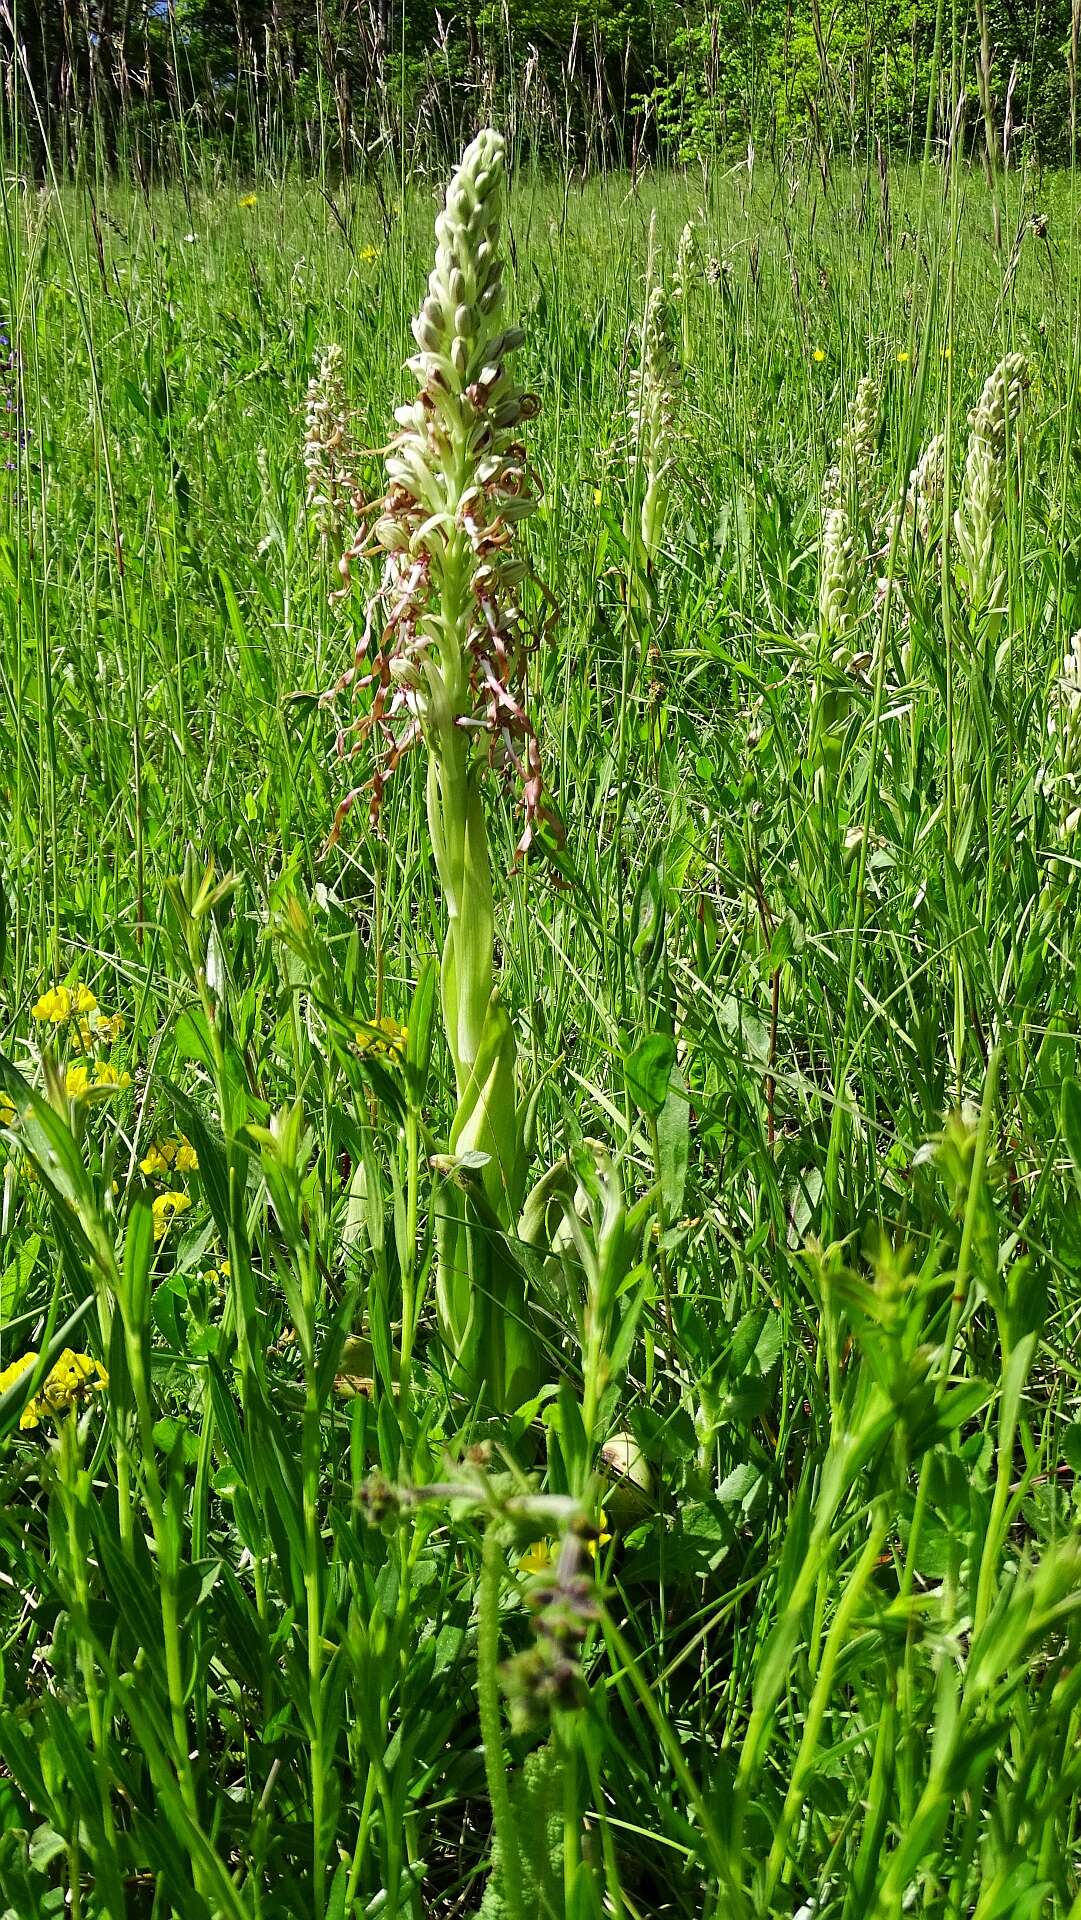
(649, 1070)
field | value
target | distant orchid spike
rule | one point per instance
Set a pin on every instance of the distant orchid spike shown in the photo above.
(850, 481)
(996, 431)
(919, 511)
(1060, 777)
(651, 408)
(686, 265)
(839, 576)
(331, 489)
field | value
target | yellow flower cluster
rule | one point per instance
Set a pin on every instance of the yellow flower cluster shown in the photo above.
(368, 254)
(165, 1210)
(382, 1037)
(101, 1029)
(74, 1375)
(248, 200)
(538, 1557)
(165, 1156)
(59, 1003)
(85, 1074)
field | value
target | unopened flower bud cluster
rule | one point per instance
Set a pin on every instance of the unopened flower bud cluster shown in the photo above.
(839, 576)
(850, 481)
(996, 431)
(1061, 778)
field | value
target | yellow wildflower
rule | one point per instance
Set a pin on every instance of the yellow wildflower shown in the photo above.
(593, 1546)
(101, 1029)
(536, 1558)
(59, 1003)
(597, 496)
(902, 356)
(63, 1387)
(819, 355)
(383, 1036)
(9, 1375)
(247, 200)
(106, 1075)
(82, 1075)
(165, 1209)
(163, 1155)
(368, 254)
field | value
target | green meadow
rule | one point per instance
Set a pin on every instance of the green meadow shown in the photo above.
(622, 1465)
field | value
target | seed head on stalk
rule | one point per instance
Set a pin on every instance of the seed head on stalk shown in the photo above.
(444, 649)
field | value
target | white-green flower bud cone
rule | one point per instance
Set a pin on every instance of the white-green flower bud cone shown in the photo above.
(1060, 778)
(838, 576)
(921, 510)
(996, 432)
(686, 271)
(927, 486)
(685, 258)
(851, 481)
(863, 442)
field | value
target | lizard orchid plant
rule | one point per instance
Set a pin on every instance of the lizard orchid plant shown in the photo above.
(443, 653)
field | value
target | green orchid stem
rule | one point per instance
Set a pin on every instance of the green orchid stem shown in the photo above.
(460, 842)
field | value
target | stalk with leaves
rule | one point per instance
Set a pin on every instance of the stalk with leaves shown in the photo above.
(448, 673)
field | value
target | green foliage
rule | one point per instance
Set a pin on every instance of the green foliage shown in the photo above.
(765, 1590)
(535, 1806)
